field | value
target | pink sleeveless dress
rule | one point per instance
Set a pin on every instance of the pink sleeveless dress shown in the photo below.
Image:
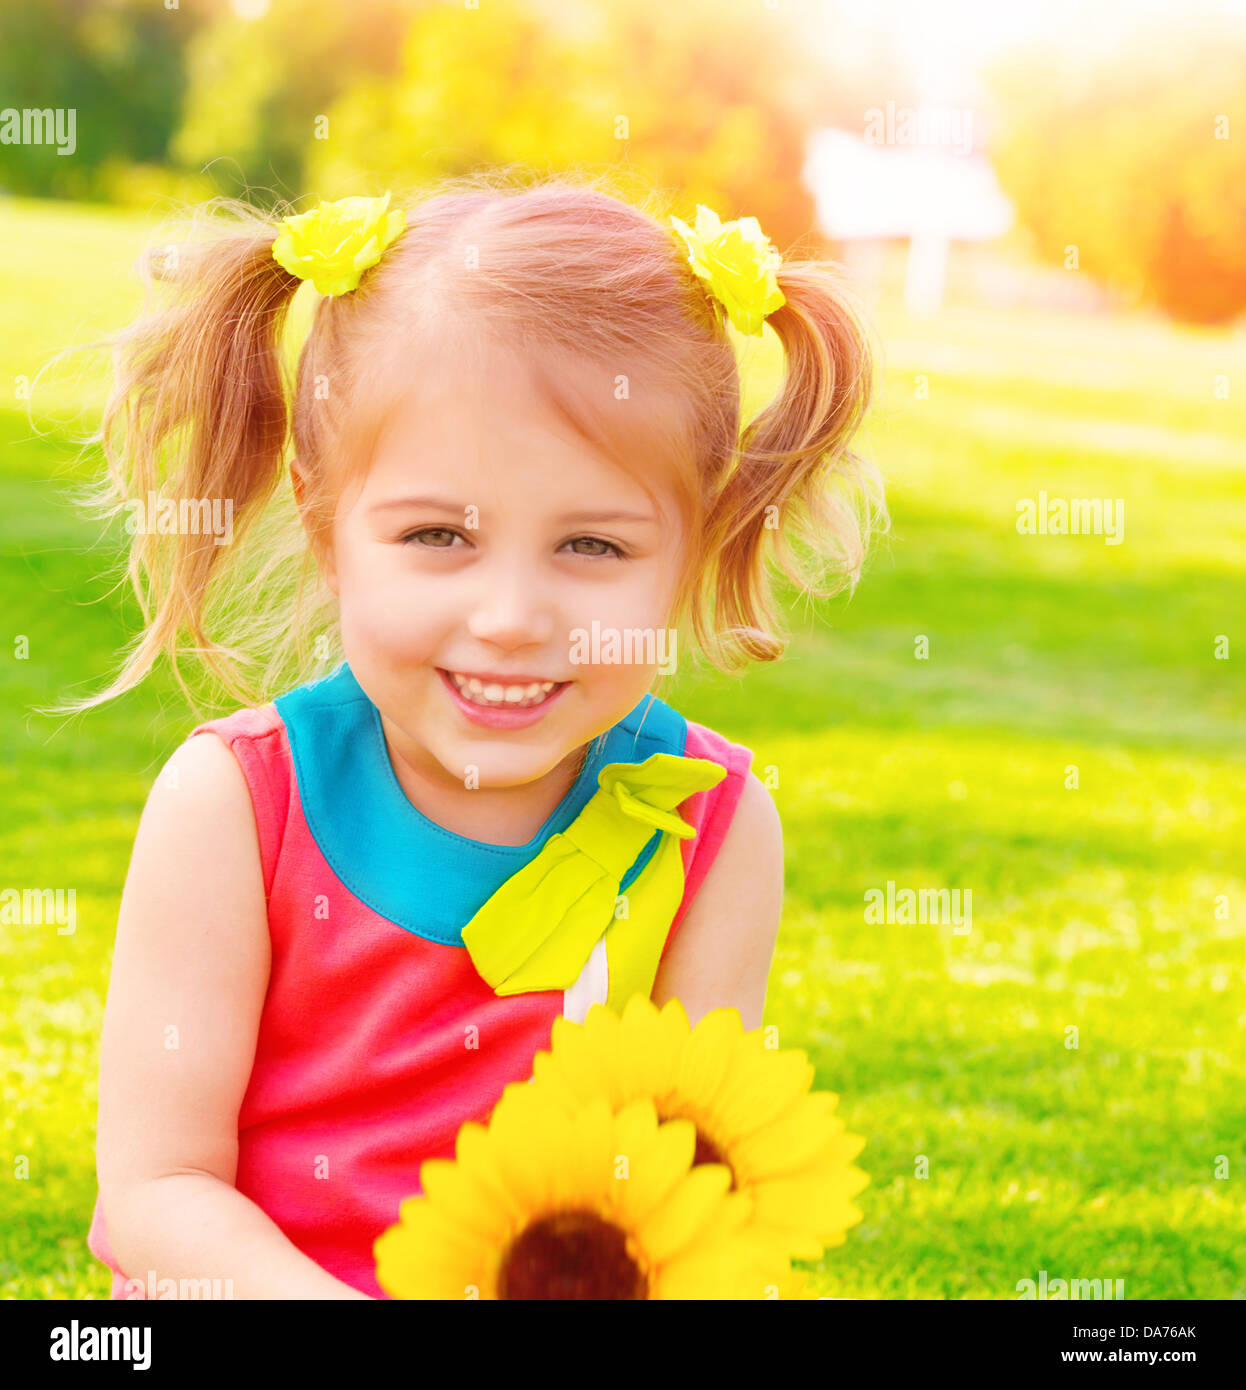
(363, 1065)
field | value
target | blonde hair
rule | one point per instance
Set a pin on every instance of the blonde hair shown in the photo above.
(563, 271)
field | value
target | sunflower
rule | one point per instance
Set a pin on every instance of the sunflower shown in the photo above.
(596, 1204)
(752, 1108)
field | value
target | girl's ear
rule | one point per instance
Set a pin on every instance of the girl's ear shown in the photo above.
(323, 551)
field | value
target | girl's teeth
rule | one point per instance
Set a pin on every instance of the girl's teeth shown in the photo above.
(494, 693)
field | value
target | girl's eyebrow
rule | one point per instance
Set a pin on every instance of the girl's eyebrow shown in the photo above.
(433, 503)
(445, 505)
(595, 517)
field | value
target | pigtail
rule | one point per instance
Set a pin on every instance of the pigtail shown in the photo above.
(197, 417)
(795, 474)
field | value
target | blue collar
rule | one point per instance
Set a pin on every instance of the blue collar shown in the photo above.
(415, 873)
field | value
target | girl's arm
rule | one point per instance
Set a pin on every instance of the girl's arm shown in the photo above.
(189, 978)
(720, 957)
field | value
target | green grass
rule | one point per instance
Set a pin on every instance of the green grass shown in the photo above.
(1093, 907)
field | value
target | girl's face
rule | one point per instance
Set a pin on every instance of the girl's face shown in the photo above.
(485, 541)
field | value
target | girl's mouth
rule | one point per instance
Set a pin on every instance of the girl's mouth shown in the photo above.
(501, 706)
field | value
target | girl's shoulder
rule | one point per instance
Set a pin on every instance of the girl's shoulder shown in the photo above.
(257, 735)
(704, 742)
(257, 738)
(711, 813)
(260, 721)
(659, 727)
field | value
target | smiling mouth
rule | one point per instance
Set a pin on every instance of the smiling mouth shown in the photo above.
(495, 695)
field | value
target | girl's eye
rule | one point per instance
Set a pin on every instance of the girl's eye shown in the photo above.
(444, 538)
(596, 554)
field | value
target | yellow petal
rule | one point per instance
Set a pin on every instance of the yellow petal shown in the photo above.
(707, 1056)
(464, 1197)
(676, 1222)
(659, 1156)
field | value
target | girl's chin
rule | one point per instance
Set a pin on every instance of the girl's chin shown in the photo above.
(476, 772)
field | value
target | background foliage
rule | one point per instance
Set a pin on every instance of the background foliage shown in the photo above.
(1135, 158)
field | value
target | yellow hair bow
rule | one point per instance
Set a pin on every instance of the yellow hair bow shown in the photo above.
(738, 264)
(336, 242)
(540, 927)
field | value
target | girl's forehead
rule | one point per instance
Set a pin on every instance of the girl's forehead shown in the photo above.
(471, 393)
(523, 418)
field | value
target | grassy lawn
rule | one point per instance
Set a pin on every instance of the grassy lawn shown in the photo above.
(1094, 907)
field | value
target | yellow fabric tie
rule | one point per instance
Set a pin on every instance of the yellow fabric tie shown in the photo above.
(539, 928)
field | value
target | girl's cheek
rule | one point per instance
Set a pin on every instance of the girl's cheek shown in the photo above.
(636, 598)
(380, 597)
(398, 627)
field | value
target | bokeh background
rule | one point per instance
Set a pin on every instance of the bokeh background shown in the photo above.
(1045, 213)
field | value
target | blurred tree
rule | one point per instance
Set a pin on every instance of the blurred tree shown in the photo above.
(707, 101)
(1129, 157)
(117, 64)
(261, 78)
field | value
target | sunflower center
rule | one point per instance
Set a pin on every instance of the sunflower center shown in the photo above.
(568, 1255)
(706, 1151)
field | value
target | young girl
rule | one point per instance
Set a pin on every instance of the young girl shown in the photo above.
(517, 469)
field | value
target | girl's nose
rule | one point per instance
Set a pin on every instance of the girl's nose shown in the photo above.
(512, 612)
